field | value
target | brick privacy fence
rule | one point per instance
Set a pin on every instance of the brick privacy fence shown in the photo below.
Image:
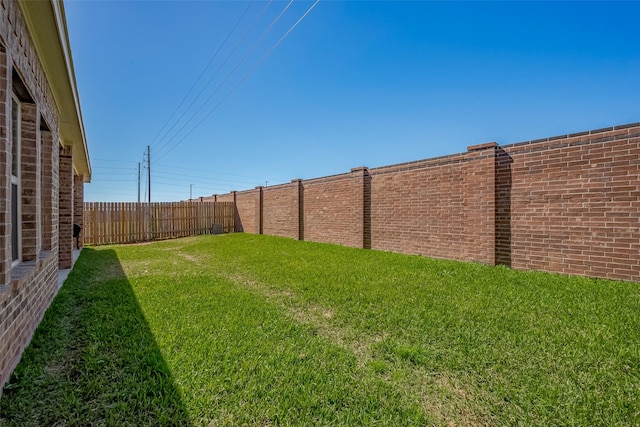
(567, 204)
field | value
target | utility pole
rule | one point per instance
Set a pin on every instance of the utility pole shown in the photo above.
(138, 182)
(190, 192)
(149, 169)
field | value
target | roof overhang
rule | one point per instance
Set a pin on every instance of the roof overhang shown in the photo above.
(47, 26)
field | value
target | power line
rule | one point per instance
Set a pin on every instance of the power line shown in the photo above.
(244, 78)
(204, 70)
(114, 160)
(165, 166)
(164, 144)
(235, 48)
(179, 176)
(231, 73)
(111, 168)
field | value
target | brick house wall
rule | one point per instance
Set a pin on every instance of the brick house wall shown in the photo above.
(26, 289)
(567, 204)
(50, 185)
(65, 207)
(28, 114)
(78, 209)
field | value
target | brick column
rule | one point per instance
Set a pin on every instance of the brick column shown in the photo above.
(78, 206)
(260, 210)
(5, 168)
(504, 164)
(362, 206)
(30, 181)
(48, 189)
(65, 208)
(237, 225)
(55, 192)
(479, 192)
(300, 190)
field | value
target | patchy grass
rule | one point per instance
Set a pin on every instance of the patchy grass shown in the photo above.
(255, 330)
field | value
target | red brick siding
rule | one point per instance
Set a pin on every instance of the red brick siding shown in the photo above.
(5, 169)
(65, 208)
(49, 193)
(15, 38)
(30, 182)
(78, 207)
(27, 289)
(32, 289)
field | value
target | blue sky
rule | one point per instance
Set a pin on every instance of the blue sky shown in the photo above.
(353, 84)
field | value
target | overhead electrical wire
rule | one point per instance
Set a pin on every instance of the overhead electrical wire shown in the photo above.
(163, 143)
(114, 160)
(203, 179)
(165, 166)
(112, 168)
(235, 48)
(230, 74)
(244, 78)
(204, 70)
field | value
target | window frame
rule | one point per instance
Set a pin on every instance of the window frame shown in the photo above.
(16, 147)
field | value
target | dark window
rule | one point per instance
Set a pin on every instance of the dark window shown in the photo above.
(15, 179)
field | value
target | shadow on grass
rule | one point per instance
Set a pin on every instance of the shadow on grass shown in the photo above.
(93, 359)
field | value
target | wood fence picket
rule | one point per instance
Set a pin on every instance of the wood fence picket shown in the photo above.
(123, 222)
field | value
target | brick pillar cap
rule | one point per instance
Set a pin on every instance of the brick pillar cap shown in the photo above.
(482, 146)
(359, 168)
(258, 187)
(296, 180)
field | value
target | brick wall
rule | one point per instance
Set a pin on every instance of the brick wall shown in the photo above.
(281, 210)
(32, 289)
(49, 194)
(78, 207)
(575, 203)
(220, 198)
(441, 208)
(5, 174)
(30, 182)
(65, 208)
(248, 211)
(568, 204)
(333, 210)
(27, 288)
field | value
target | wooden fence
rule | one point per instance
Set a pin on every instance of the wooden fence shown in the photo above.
(109, 223)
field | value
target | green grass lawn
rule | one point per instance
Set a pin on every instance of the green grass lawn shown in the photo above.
(255, 330)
